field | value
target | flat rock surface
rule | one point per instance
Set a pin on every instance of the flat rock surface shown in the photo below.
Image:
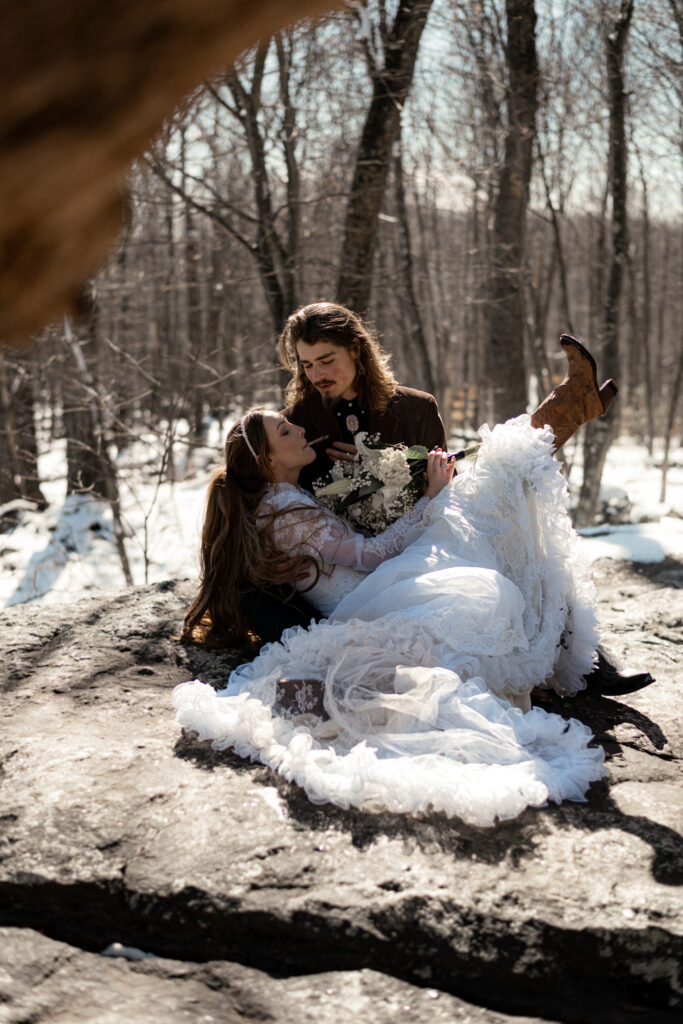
(257, 905)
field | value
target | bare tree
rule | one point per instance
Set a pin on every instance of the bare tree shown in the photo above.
(18, 445)
(417, 354)
(506, 329)
(674, 401)
(675, 393)
(90, 469)
(391, 52)
(86, 470)
(267, 230)
(600, 433)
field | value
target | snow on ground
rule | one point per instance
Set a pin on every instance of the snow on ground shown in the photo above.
(68, 550)
(654, 530)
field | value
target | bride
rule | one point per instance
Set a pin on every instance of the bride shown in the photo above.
(436, 631)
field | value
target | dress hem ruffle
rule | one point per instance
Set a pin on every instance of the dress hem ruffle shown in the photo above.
(489, 600)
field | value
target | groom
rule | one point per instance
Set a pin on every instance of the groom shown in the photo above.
(341, 384)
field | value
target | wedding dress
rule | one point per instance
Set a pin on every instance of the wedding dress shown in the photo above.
(437, 631)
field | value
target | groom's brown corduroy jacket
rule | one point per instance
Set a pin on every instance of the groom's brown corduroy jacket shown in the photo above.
(412, 417)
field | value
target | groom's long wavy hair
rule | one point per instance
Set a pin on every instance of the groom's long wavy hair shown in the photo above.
(327, 321)
(238, 552)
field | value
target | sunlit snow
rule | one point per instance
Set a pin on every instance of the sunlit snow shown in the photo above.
(68, 550)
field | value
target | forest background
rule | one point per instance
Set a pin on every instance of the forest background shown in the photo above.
(475, 177)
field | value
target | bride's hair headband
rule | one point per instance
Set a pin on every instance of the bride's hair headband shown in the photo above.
(243, 431)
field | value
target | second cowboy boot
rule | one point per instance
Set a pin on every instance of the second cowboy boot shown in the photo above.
(614, 680)
(578, 398)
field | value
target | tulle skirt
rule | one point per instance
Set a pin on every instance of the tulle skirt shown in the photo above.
(428, 663)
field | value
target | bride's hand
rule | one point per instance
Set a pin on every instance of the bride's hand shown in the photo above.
(439, 472)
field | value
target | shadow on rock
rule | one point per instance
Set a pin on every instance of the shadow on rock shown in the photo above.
(512, 842)
(188, 747)
(667, 862)
(602, 714)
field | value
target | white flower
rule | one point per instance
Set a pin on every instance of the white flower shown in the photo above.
(385, 464)
(393, 470)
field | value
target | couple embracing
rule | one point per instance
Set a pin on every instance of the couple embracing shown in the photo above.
(430, 636)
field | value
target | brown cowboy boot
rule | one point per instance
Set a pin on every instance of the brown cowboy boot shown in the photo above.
(577, 399)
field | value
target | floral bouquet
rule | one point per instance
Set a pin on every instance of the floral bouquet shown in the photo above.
(380, 485)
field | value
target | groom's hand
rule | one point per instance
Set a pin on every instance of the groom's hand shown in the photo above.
(342, 452)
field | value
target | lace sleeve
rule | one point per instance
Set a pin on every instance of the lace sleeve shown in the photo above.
(308, 529)
(302, 527)
(366, 553)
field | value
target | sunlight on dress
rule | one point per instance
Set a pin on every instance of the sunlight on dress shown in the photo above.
(424, 659)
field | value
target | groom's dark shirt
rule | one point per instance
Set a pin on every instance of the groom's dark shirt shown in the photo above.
(411, 417)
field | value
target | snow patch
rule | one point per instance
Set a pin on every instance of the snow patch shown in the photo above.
(68, 550)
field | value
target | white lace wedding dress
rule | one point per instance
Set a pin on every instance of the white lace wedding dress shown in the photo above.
(428, 657)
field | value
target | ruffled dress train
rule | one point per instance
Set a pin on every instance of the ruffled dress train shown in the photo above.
(429, 660)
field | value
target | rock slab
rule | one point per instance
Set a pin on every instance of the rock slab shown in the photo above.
(116, 827)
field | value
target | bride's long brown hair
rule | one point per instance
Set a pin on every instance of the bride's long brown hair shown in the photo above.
(238, 552)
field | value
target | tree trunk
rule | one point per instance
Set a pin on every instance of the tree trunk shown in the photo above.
(416, 343)
(18, 445)
(595, 267)
(269, 251)
(674, 399)
(541, 295)
(92, 459)
(677, 11)
(85, 472)
(391, 83)
(167, 370)
(430, 252)
(195, 354)
(559, 247)
(600, 433)
(291, 253)
(506, 331)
